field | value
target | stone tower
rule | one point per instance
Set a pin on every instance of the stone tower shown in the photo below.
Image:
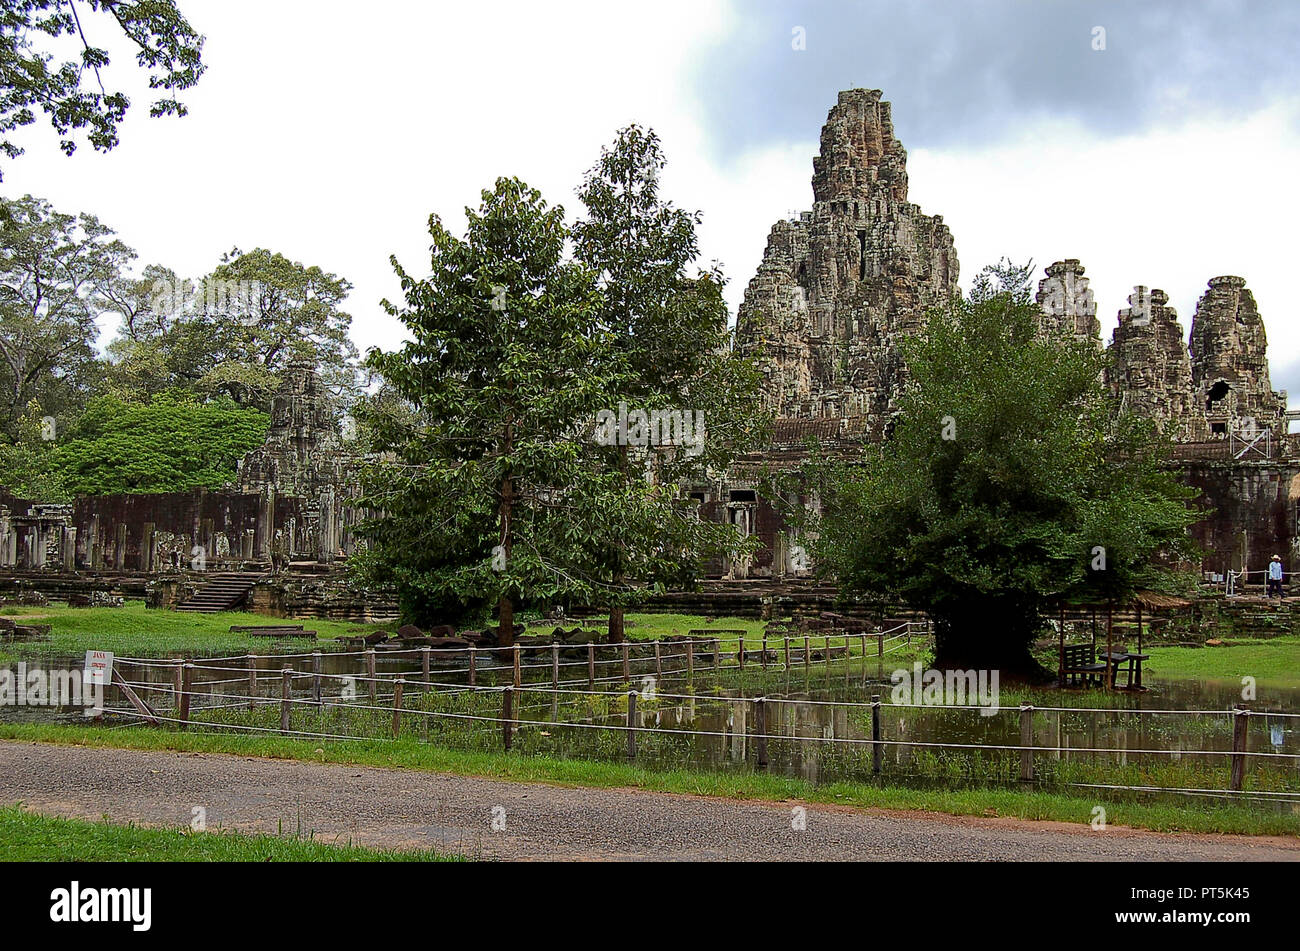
(300, 455)
(841, 284)
(1151, 372)
(1067, 302)
(1230, 361)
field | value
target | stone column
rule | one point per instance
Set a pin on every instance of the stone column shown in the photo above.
(266, 523)
(146, 547)
(38, 546)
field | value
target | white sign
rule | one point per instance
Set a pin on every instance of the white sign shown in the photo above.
(98, 670)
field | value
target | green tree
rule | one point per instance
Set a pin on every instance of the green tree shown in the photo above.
(53, 268)
(234, 331)
(27, 465)
(72, 93)
(667, 348)
(166, 445)
(1010, 483)
(500, 370)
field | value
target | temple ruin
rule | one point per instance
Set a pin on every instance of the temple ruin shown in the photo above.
(840, 285)
(284, 525)
(838, 288)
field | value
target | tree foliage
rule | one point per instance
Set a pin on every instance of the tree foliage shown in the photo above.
(27, 465)
(667, 347)
(71, 92)
(1010, 483)
(234, 331)
(53, 269)
(167, 445)
(500, 369)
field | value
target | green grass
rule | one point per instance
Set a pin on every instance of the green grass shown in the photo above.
(1200, 816)
(31, 837)
(134, 630)
(649, 627)
(137, 631)
(1274, 662)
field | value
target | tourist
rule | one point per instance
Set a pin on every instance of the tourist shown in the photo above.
(1275, 576)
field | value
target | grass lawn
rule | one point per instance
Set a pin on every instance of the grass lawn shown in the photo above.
(1197, 816)
(1274, 662)
(31, 837)
(137, 631)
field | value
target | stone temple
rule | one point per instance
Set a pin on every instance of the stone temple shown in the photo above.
(838, 288)
(841, 284)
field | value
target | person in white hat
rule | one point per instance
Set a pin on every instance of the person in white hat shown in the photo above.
(1275, 576)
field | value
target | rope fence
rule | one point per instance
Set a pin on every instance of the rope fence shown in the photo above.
(524, 700)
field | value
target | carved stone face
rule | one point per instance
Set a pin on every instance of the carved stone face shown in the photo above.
(1138, 379)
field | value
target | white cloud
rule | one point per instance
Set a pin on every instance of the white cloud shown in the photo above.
(331, 137)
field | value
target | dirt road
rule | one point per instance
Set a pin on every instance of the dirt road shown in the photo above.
(396, 808)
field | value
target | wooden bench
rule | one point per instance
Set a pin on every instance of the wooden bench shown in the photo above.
(1079, 665)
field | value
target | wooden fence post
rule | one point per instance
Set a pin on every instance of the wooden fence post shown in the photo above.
(473, 664)
(880, 645)
(518, 681)
(1240, 722)
(507, 716)
(740, 650)
(760, 726)
(370, 672)
(807, 653)
(187, 683)
(286, 688)
(690, 660)
(631, 724)
(425, 654)
(591, 666)
(875, 734)
(764, 650)
(1026, 743)
(398, 684)
(252, 681)
(315, 676)
(659, 667)
(178, 685)
(785, 638)
(555, 667)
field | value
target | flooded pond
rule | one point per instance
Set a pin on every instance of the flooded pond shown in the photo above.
(818, 720)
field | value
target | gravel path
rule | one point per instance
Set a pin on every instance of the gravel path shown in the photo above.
(397, 808)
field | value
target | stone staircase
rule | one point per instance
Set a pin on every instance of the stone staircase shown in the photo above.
(224, 592)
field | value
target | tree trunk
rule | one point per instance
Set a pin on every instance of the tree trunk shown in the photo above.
(505, 607)
(616, 629)
(505, 621)
(981, 637)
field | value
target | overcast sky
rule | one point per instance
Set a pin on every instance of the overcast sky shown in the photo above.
(329, 132)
